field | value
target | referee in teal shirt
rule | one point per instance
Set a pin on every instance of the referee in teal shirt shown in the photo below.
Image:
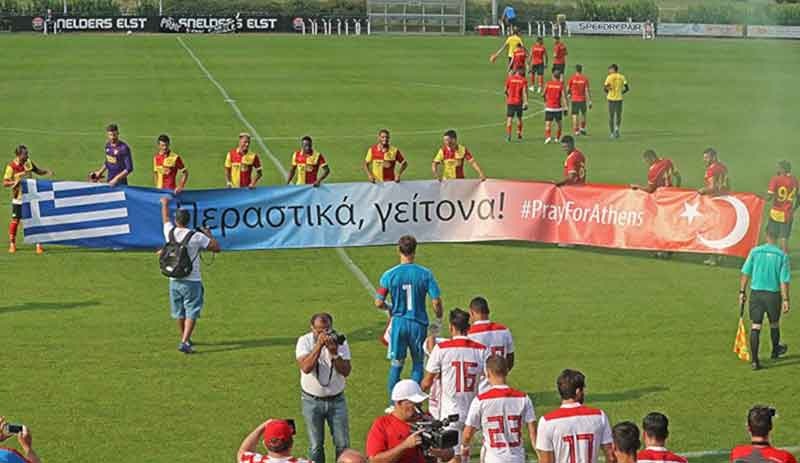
(767, 270)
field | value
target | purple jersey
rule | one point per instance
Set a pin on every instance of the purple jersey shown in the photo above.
(118, 158)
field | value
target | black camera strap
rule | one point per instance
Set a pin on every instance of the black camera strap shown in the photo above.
(330, 372)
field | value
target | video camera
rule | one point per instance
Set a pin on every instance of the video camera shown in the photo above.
(434, 433)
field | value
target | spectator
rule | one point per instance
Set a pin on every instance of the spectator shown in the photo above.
(496, 337)
(759, 425)
(9, 455)
(655, 429)
(351, 456)
(278, 440)
(186, 295)
(324, 365)
(119, 160)
(390, 439)
(555, 439)
(509, 18)
(625, 442)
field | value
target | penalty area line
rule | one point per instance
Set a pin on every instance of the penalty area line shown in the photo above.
(343, 256)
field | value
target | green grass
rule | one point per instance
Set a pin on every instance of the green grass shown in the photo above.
(89, 356)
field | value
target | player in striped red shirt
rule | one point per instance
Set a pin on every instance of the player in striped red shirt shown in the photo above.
(459, 362)
(660, 173)
(574, 433)
(382, 160)
(516, 101)
(655, 429)
(19, 169)
(496, 337)
(166, 165)
(782, 191)
(503, 414)
(240, 163)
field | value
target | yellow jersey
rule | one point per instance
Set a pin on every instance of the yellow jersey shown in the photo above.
(511, 43)
(615, 83)
(16, 171)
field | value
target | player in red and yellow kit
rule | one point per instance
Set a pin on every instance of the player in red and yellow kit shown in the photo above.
(581, 98)
(554, 105)
(382, 160)
(538, 63)
(166, 165)
(661, 173)
(516, 101)
(782, 192)
(20, 168)
(452, 156)
(519, 60)
(306, 164)
(574, 165)
(715, 183)
(240, 164)
(559, 55)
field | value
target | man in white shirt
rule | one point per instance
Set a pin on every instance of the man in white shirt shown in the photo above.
(501, 413)
(496, 337)
(186, 294)
(459, 364)
(324, 360)
(574, 433)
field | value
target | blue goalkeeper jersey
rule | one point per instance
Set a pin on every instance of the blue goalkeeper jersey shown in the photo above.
(408, 285)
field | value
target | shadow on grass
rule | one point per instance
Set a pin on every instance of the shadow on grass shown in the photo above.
(551, 398)
(787, 361)
(36, 306)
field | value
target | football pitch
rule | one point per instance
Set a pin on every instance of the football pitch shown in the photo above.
(89, 356)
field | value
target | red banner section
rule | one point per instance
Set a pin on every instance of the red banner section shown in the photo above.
(670, 219)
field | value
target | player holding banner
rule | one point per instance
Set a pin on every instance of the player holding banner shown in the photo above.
(20, 168)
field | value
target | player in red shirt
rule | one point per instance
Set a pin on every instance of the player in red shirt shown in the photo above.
(166, 165)
(574, 165)
(16, 171)
(516, 101)
(559, 55)
(759, 423)
(661, 173)
(554, 106)
(519, 60)
(538, 63)
(655, 429)
(581, 98)
(715, 183)
(278, 437)
(782, 192)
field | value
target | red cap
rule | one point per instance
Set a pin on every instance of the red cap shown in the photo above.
(277, 432)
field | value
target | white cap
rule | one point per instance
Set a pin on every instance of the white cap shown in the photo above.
(408, 389)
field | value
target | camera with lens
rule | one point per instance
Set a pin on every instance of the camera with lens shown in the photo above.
(338, 338)
(435, 434)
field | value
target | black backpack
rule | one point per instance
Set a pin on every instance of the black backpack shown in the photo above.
(174, 258)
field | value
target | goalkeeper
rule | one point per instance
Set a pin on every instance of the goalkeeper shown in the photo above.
(511, 44)
(408, 285)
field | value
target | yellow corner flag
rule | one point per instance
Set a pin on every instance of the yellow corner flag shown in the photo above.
(740, 343)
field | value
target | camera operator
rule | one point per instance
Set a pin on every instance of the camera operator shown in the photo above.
(759, 424)
(278, 440)
(323, 356)
(390, 439)
(8, 455)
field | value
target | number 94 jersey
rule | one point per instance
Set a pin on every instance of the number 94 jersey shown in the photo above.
(460, 364)
(502, 414)
(574, 433)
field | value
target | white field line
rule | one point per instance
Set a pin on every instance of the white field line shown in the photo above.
(348, 262)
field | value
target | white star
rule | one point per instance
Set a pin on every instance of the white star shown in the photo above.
(690, 211)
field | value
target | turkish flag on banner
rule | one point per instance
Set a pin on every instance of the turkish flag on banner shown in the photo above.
(670, 219)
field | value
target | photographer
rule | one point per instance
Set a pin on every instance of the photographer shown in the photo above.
(8, 455)
(278, 440)
(323, 356)
(186, 294)
(759, 425)
(390, 439)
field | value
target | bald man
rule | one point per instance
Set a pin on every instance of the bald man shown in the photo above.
(351, 456)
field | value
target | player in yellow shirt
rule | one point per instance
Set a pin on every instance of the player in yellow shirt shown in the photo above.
(20, 168)
(382, 160)
(306, 165)
(451, 157)
(615, 86)
(511, 43)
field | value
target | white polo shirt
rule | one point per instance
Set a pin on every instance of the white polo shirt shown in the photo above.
(324, 380)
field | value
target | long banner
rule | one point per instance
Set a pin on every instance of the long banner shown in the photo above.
(362, 214)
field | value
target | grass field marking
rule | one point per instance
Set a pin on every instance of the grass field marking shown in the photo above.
(345, 258)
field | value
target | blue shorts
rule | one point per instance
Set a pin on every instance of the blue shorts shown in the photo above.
(407, 335)
(186, 298)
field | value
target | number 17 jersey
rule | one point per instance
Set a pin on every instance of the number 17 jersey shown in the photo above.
(574, 433)
(408, 285)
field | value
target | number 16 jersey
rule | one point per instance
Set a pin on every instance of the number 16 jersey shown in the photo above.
(460, 363)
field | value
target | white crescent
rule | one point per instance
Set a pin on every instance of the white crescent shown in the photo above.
(739, 230)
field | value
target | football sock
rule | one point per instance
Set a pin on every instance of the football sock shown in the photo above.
(775, 334)
(519, 128)
(394, 377)
(754, 334)
(583, 124)
(558, 134)
(12, 230)
(508, 129)
(547, 133)
(541, 81)
(417, 371)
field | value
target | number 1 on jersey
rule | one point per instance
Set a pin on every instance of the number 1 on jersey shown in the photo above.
(409, 298)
